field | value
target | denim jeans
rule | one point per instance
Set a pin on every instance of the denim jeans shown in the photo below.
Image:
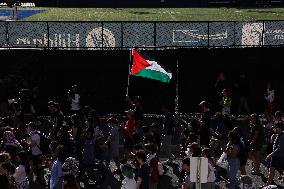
(232, 170)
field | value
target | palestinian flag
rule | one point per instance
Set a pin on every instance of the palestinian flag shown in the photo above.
(148, 68)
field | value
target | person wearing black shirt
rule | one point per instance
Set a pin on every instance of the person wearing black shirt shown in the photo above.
(143, 170)
(138, 111)
(221, 83)
(187, 184)
(243, 88)
(205, 124)
(57, 118)
(169, 125)
(256, 139)
(77, 130)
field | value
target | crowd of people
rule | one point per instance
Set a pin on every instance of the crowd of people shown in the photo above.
(69, 142)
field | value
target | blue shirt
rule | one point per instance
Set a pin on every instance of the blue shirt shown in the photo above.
(56, 175)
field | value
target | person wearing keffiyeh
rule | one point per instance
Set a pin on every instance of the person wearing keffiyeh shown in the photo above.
(71, 172)
(71, 165)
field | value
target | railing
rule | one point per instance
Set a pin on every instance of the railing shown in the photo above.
(146, 35)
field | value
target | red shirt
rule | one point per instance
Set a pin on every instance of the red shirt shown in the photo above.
(129, 127)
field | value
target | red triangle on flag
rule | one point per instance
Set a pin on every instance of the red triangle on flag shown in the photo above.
(139, 63)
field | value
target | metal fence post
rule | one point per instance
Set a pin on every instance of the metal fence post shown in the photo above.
(7, 35)
(102, 35)
(208, 34)
(122, 35)
(262, 34)
(155, 35)
(234, 35)
(47, 25)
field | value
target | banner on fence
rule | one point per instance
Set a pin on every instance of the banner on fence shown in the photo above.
(99, 35)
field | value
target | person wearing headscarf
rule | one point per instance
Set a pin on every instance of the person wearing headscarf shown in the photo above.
(9, 139)
(10, 144)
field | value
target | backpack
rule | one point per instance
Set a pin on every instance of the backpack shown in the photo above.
(44, 143)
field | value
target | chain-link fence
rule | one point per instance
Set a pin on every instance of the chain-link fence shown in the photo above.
(147, 35)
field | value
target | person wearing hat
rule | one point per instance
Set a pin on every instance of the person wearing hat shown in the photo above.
(277, 155)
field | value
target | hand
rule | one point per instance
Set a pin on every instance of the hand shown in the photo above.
(139, 182)
(184, 186)
(269, 157)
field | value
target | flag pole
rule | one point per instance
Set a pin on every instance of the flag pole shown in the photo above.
(176, 99)
(128, 79)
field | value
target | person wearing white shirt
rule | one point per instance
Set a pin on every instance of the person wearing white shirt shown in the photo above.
(211, 178)
(269, 97)
(75, 102)
(127, 172)
(34, 142)
(34, 139)
(74, 99)
(22, 171)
